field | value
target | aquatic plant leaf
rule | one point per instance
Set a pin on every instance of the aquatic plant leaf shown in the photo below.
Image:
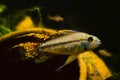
(92, 67)
(31, 53)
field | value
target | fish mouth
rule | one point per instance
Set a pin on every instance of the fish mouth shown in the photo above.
(99, 42)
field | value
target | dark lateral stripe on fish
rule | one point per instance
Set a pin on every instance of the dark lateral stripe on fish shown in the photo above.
(60, 43)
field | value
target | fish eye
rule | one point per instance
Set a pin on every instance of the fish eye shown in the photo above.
(90, 39)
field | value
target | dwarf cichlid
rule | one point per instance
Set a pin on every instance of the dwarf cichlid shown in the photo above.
(70, 44)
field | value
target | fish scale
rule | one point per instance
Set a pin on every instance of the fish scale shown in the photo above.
(66, 38)
(64, 49)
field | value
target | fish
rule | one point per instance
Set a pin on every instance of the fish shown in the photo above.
(70, 44)
(56, 18)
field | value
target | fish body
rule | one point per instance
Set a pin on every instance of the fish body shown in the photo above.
(70, 44)
(56, 18)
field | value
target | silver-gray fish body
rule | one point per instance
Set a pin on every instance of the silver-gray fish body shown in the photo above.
(68, 44)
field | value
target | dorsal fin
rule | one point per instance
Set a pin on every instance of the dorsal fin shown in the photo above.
(66, 31)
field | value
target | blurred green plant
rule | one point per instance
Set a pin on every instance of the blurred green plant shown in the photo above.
(9, 20)
(3, 28)
(2, 8)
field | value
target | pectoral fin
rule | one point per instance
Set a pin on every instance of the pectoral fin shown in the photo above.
(70, 59)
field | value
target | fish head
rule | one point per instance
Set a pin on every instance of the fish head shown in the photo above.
(90, 42)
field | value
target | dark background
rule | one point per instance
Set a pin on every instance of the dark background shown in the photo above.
(100, 19)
